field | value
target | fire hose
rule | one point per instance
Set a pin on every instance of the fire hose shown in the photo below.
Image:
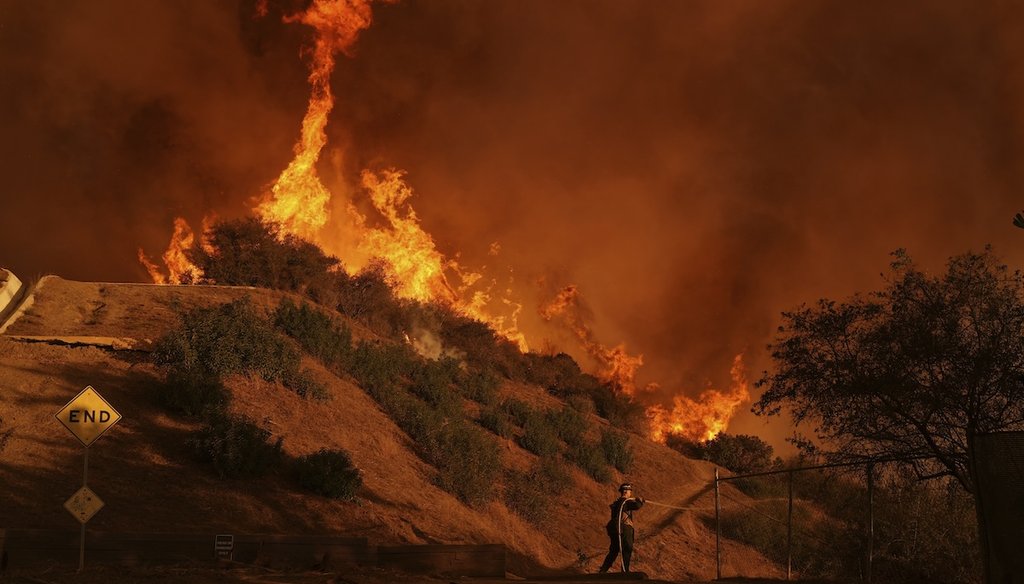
(659, 504)
(622, 557)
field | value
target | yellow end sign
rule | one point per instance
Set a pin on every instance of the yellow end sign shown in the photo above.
(88, 416)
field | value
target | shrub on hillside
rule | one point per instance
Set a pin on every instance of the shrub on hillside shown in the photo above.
(419, 420)
(560, 375)
(616, 450)
(740, 453)
(497, 421)
(379, 367)
(480, 386)
(619, 409)
(568, 424)
(316, 332)
(329, 473)
(518, 410)
(305, 384)
(538, 435)
(248, 252)
(483, 347)
(581, 403)
(467, 460)
(236, 447)
(589, 457)
(227, 339)
(433, 381)
(369, 298)
(532, 494)
(192, 392)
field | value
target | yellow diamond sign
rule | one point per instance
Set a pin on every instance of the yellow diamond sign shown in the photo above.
(88, 416)
(83, 504)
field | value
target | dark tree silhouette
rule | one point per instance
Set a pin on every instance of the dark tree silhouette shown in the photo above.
(918, 369)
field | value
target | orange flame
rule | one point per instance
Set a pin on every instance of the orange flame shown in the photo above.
(298, 200)
(180, 270)
(415, 265)
(701, 420)
(298, 203)
(617, 366)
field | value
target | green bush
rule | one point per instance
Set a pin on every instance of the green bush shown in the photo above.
(248, 252)
(316, 332)
(225, 340)
(538, 435)
(420, 421)
(192, 392)
(740, 453)
(531, 494)
(236, 447)
(616, 450)
(581, 403)
(467, 460)
(368, 297)
(484, 349)
(498, 421)
(568, 424)
(381, 366)
(518, 410)
(433, 381)
(329, 473)
(307, 385)
(621, 410)
(590, 459)
(480, 386)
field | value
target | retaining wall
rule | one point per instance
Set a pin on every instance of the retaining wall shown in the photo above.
(27, 548)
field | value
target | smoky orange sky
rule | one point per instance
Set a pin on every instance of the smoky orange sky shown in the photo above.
(695, 167)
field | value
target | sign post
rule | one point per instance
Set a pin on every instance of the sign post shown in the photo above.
(87, 416)
(224, 547)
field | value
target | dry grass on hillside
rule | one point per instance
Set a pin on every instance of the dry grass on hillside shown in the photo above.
(144, 472)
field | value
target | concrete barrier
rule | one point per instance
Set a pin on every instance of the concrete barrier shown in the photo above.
(10, 287)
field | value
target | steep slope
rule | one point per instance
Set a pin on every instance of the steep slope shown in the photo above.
(145, 473)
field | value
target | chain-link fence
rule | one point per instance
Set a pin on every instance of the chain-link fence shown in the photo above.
(865, 522)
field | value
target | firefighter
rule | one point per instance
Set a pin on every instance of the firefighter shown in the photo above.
(620, 527)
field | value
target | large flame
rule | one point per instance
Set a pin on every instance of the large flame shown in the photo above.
(701, 419)
(299, 203)
(415, 264)
(616, 365)
(298, 200)
(417, 268)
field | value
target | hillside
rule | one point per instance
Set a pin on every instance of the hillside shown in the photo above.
(76, 334)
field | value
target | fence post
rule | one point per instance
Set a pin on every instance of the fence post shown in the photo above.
(789, 531)
(718, 531)
(871, 518)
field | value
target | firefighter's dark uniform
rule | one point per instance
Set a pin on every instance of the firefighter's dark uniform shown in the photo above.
(620, 528)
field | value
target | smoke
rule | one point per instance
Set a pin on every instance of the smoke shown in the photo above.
(693, 167)
(120, 116)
